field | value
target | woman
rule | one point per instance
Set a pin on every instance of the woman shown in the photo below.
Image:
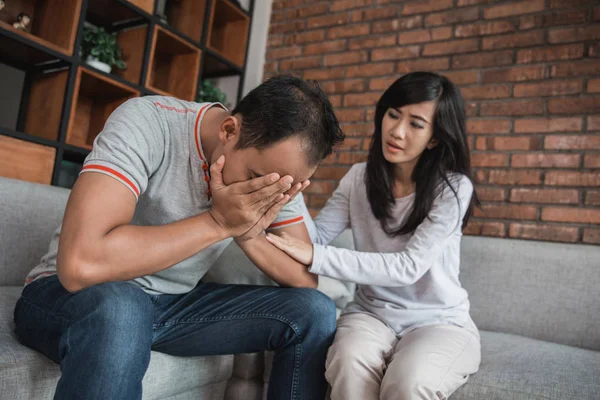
(408, 334)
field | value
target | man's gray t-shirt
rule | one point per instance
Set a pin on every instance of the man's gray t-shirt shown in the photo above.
(152, 145)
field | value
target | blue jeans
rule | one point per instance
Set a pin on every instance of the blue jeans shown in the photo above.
(102, 336)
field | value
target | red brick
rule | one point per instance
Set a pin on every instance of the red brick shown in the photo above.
(550, 53)
(454, 47)
(395, 53)
(485, 92)
(591, 236)
(555, 18)
(575, 179)
(287, 27)
(579, 34)
(522, 39)
(320, 187)
(477, 228)
(274, 41)
(592, 197)
(549, 233)
(489, 160)
(349, 31)
(358, 129)
(372, 42)
(462, 3)
(350, 115)
(332, 46)
(283, 52)
(352, 144)
(480, 60)
(328, 20)
(506, 211)
(362, 99)
(313, 9)
(514, 8)
(593, 123)
(594, 50)
(547, 88)
(541, 160)
(548, 125)
(471, 109)
(300, 63)
(569, 3)
(317, 201)
(491, 194)
(343, 86)
(381, 83)
(510, 177)
(366, 145)
(508, 143)
(336, 173)
(425, 6)
(452, 17)
(575, 69)
(484, 28)
(271, 66)
(574, 105)
(425, 35)
(513, 74)
(568, 214)
(591, 161)
(378, 13)
(462, 77)
(322, 74)
(369, 69)
(336, 101)
(310, 36)
(488, 126)
(593, 86)
(572, 142)
(512, 108)
(351, 57)
(545, 196)
(429, 64)
(396, 25)
(342, 5)
(597, 13)
(352, 158)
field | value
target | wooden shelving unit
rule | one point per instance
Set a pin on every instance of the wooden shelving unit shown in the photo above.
(64, 102)
(174, 65)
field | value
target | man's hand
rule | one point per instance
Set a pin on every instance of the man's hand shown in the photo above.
(268, 218)
(238, 207)
(298, 249)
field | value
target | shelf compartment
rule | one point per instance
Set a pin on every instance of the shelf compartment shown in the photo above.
(25, 160)
(146, 5)
(95, 98)
(52, 25)
(174, 65)
(187, 17)
(132, 42)
(228, 31)
(45, 105)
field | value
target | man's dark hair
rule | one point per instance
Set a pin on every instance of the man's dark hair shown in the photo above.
(284, 107)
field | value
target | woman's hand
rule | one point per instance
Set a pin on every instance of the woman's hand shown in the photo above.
(295, 248)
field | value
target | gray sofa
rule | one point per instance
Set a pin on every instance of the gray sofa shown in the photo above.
(537, 305)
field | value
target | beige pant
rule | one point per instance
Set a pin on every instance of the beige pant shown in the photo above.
(368, 362)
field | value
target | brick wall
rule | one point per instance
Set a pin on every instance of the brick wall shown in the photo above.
(530, 74)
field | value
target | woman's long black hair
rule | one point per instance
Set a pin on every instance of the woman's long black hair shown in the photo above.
(450, 155)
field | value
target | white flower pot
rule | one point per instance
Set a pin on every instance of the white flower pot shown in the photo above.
(93, 61)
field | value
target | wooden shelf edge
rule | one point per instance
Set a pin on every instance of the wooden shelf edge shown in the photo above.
(31, 37)
(109, 80)
(220, 54)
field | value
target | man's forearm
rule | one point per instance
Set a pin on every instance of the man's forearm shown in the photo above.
(131, 251)
(277, 265)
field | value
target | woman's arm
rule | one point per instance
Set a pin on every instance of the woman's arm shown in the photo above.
(389, 269)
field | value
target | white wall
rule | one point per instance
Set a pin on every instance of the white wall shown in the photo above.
(259, 32)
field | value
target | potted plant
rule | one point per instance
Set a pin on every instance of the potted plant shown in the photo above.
(209, 93)
(101, 50)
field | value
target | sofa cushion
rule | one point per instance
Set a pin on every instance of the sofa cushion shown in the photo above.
(29, 214)
(519, 368)
(26, 374)
(546, 291)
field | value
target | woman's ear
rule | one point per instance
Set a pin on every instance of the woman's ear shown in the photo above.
(432, 143)
(229, 131)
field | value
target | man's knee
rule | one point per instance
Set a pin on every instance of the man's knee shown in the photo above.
(317, 311)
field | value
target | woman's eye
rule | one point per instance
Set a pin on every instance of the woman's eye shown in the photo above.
(414, 124)
(392, 115)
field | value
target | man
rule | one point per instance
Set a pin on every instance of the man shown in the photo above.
(146, 220)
